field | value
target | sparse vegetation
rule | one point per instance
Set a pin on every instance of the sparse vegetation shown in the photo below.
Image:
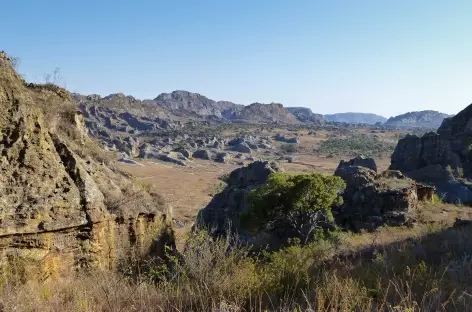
(15, 62)
(354, 145)
(424, 274)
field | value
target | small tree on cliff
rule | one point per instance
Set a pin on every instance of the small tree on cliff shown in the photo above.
(303, 201)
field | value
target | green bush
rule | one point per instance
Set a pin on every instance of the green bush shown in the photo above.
(354, 145)
(302, 201)
(289, 148)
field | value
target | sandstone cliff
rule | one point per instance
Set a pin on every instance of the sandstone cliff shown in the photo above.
(62, 205)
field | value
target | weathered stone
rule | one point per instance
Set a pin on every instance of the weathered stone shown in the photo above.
(371, 200)
(173, 157)
(281, 138)
(242, 148)
(439, 158)
(202, 154)
(62, 206)
(223, 157)
(359, 161)
(183, 151)
(224, 211)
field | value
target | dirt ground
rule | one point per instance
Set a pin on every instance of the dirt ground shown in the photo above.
(186, 189)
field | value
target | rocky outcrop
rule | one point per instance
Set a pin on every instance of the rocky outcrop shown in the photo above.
(223, 213)
(242, 147)
(372, 199)
(422, 119)
(304, 114)
(202, 154)
(184, 103)
(264, 113)
(223, 157)
(442, 159)
(62, 206)
(281, 138)
(359, 161)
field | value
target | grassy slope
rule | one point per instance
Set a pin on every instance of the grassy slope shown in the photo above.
(424, 268)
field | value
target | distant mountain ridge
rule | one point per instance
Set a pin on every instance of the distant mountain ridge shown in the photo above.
(170, 110)
(178, 107)
(357, 118)
(420, 119)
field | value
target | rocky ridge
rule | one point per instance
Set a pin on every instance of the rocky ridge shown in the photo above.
(422, 119)
(63, 206)
(304, 114)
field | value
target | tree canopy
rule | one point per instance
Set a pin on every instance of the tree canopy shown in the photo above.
(303, 201)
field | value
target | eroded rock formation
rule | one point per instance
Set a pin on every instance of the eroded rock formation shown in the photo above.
(443, 159)
(61, 205)
(222, 215)
(372, 199)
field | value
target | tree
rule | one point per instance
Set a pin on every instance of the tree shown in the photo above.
(54, 77)
(15, 62)
(303, 202)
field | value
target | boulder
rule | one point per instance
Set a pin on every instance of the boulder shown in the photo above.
(202, 154)
(359, 161)
(223, 213)
(185, 152)
(223, 157)
(130, 146)
(242, 148)
(172, 157)
(371, 199)
(281, 138)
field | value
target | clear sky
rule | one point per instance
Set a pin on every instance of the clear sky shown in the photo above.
(381, 56)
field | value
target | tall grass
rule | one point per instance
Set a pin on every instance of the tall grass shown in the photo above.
(432, 273)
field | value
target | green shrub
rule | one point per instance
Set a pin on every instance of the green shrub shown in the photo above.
(289, 148)
(302, 201)
(355, 144)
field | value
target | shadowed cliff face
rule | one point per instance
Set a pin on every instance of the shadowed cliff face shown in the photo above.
(61, 205)
(443, 158)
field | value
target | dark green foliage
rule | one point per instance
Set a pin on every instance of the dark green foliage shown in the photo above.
(367, 145)
(303, 202)
(289, 148)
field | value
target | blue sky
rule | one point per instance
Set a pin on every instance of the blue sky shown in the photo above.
(385, 57)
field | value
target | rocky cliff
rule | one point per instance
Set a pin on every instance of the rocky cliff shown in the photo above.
(62, 205)
(422, 119)
(304, 114)
(443, 158)
(171, 110)
(264, 113)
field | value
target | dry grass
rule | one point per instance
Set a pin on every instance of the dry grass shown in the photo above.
(187, 189)
(432, 272)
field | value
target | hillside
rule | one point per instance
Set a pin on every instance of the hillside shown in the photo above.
(264, 113)
(358, 118)
(305, 114)
(60, 194)
(421, 119)
(179, 106)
